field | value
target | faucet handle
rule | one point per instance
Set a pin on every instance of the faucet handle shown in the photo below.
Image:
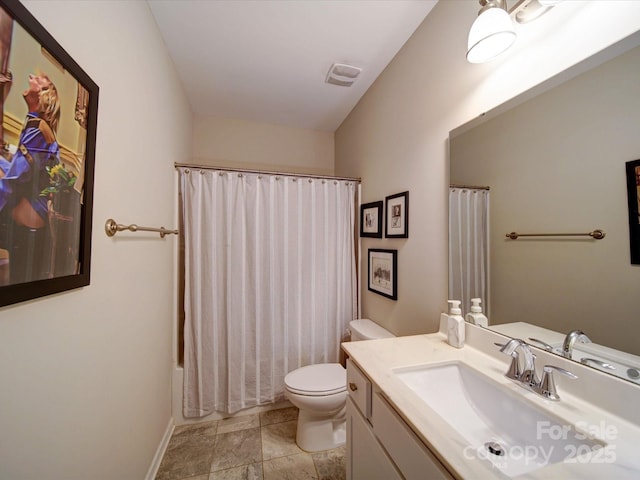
(551, 368)
(542, 344)
(547, 386)
(595, 361)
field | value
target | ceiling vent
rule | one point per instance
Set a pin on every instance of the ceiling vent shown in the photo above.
(342, 75)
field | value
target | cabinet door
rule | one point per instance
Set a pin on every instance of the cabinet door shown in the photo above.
(366, 459)
(413, 458)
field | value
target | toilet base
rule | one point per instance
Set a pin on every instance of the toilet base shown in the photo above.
(316, 433)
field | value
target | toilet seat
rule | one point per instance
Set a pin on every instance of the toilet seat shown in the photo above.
(317, 380)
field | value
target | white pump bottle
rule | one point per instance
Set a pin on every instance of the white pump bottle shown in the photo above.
(476, 317)
(455, 325)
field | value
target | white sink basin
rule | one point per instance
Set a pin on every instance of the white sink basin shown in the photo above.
(498, 426)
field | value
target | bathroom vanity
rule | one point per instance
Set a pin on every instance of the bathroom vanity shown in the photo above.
(375, 428)
(419, 408)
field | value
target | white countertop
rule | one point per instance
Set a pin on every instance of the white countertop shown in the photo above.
(377, 358)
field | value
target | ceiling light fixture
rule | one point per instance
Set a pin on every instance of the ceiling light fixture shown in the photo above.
(493, 32)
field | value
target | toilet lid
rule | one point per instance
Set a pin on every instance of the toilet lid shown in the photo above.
(320, 379)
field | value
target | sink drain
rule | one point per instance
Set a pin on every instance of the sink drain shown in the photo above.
(494, 448)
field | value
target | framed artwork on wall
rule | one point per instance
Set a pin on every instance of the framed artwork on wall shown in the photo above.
(49, 108)
(633, 193)
(383, 272)
(371, 220)
(397, 215)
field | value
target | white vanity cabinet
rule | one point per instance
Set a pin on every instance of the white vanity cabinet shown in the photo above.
(366, 459)
(380, 445)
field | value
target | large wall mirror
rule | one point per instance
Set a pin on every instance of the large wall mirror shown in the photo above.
(554, 161)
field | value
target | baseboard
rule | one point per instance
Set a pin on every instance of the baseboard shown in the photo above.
(157, 459)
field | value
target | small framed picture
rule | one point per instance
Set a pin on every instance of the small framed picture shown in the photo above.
(397, 215)
(371, 220)
(383, 272)
(633, 193)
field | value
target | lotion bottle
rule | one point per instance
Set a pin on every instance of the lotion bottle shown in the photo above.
(476, 317)
(455, 325)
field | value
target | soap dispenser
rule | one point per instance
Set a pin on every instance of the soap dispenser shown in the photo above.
(455, 325)
(476, 317)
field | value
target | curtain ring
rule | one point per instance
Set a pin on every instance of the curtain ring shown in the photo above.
(294, 180)
(310, 181)
(187, 171)
(240, 175)
(201, 172)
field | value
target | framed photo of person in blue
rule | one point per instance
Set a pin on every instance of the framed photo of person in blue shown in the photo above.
(49, 109)
(633, 193)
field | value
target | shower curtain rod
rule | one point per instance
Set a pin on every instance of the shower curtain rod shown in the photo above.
(470, 187)
(266, 172)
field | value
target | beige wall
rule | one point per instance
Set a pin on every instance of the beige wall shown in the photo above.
(86, 374)
(557, 164)
(396, 137)
(85, 385)
(253, 145)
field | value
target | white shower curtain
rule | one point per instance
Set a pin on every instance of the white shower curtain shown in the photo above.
(469, 246)
(270, 282)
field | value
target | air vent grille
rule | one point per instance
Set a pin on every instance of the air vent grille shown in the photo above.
(342, 75)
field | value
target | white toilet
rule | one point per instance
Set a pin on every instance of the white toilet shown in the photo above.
(320, 392)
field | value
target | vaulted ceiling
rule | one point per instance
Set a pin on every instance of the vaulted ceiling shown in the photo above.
(266, 60)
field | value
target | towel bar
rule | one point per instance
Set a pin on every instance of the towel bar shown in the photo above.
(111, 228)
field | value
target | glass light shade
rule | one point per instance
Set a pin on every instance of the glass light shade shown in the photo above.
(491, 34)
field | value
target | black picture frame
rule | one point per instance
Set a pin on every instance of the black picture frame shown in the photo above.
(633, 193)
(65, 204)
(397, 215)
(371, 219)
(382, 272)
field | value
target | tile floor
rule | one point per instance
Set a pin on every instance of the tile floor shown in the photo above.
(252, 447)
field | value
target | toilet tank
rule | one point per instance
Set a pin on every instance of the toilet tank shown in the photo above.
(365, 329)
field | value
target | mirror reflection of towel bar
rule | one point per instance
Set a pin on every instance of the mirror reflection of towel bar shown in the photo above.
(596, 235)
(111, 228)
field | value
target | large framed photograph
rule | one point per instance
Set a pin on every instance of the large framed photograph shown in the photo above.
(383, 272)
(633, 193)
(371, 220)
(49, 109)
(397, 215)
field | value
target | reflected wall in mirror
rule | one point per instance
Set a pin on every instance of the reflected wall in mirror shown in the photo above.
(556, 163)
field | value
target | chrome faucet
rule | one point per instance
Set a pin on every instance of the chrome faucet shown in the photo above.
(572, 337)
(526, 376)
